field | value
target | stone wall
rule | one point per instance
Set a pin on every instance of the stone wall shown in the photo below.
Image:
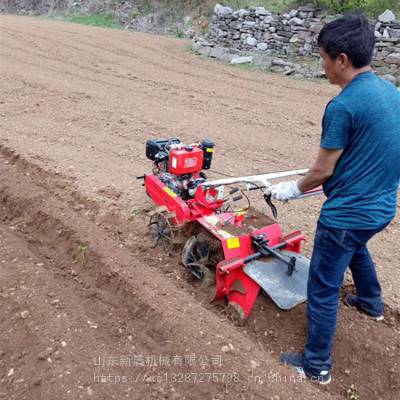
(387, 51)
(293, 35)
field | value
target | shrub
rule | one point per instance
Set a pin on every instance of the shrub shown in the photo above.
(372, 7)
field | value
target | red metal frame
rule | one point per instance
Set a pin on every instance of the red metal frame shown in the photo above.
(188, 211)
(233, 285)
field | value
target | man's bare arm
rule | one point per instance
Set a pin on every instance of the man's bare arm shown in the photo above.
(322, 169)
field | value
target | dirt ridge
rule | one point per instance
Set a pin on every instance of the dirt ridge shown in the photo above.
(50, 226)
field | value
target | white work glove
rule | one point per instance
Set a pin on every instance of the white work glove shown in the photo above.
(284, 191)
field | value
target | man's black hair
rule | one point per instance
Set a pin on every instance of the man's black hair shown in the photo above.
(352, 35)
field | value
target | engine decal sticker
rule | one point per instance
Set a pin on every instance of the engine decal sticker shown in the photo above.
(233, 243)
(170, 192)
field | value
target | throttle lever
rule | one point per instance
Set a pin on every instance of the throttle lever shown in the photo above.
(268, 200)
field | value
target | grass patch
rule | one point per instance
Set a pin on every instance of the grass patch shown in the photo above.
(245, 66)
(371, 7)
(101, 20)
(275, 6)
(80, 255)
(270, 5)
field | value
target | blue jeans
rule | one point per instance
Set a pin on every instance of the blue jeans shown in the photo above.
(334, 251)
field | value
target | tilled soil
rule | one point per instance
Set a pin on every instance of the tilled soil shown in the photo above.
(88, 308)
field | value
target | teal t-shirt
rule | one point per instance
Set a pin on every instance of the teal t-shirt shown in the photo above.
(364, 121)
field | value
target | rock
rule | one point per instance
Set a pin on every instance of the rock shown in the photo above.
(378, 34)
(225, 349)
(393, 58)
(251, 41)
(385, 34)
(24, 314)
(293, 13)
(390, 78)
(262, 46)
(196, 46)
(304, 14)
(243, 13)
(315, 28)
(295, 21)
(294, 39)
(268, 19)
(217, 52)
(393, 33)
(43, 355)
(226, 57)
(319, 74)
(222, 11)
(382, 44)
(10, 372)
(242, 60)
(387, 17)
(277, 69)
(282, 63)
(221, 33)
(261, 11)
(254, 364)
(303, 35)
(289, 71)
(204, 51)
(236, 25)
(258, 35)
(258, 61)
(307, 48)
(249, 24)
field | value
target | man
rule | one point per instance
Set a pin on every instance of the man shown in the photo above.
(359, 166)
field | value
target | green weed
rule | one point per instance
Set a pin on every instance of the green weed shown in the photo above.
(80, 255)
(101, 20)
(352, 393)
(371, 7)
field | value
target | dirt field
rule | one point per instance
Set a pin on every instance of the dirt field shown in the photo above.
(88, 309)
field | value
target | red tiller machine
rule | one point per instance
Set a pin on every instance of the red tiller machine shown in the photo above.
(238, 249)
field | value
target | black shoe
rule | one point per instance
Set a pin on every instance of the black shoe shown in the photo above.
(295, 360)
(352, 301)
